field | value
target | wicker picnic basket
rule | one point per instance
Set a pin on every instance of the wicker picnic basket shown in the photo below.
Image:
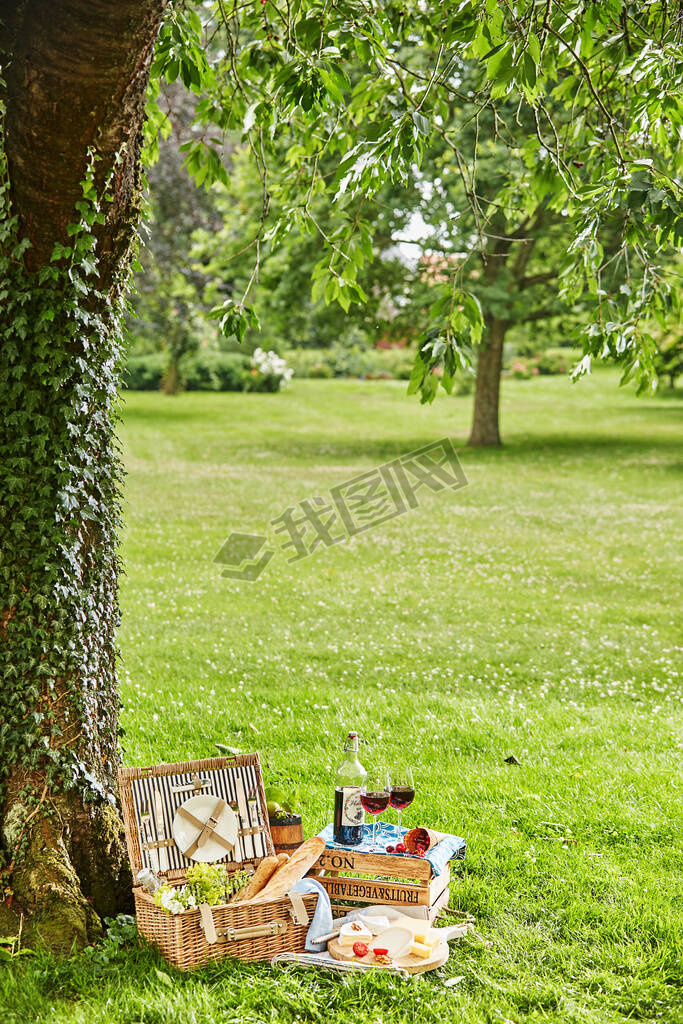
(247, 931)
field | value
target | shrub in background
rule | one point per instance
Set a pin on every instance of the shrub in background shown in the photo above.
(354, 361)
(521, 370)
(215, 371)
(553, 361)
(321, 371)
(200, 371)
(145, 373)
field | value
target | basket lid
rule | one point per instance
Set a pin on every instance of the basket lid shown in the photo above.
(151, 797)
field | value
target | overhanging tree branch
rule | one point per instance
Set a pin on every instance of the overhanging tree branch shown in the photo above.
(529, 282)
(541, 314)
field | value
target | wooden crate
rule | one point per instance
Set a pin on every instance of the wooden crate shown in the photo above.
(355, 878)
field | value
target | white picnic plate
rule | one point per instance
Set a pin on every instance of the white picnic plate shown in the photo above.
(184, 832)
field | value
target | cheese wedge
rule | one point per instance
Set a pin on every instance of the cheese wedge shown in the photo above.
(377, 925)
(429, 938)
(419, 949)
(354, 931)
(395, 940)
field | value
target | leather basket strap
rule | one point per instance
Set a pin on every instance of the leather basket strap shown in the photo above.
(207, 923)
(298, 912)
(207, 831)
(206, 828)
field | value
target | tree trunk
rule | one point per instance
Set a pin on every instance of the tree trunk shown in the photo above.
(485, 425)
(171, 381)
(75, 79)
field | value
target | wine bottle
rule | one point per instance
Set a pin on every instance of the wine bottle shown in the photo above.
(348, 811)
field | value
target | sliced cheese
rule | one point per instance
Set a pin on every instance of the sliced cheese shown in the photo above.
(420, 949)
(429, 938)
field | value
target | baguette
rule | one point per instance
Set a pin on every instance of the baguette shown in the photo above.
(294, 870)
(263, 873)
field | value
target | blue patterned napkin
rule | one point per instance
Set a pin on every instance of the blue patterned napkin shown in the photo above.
(450, 847)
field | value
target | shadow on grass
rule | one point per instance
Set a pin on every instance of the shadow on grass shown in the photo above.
(515, 449)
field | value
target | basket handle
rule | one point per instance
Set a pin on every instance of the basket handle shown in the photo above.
(253, 931)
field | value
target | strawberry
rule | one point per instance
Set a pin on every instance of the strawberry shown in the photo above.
(401, 848)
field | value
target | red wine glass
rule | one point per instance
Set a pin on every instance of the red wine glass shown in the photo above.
(401, 790)
(375, 798)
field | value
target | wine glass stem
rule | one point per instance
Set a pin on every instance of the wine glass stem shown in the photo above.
(399, 819)
(374, 830)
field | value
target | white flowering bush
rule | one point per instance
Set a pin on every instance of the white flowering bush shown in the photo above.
(269, 372)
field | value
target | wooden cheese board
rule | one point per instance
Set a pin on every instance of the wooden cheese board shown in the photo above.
(406, 962)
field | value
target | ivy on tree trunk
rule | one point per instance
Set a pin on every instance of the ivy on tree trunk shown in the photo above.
(74, 76)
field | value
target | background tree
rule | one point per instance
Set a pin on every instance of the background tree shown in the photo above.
(669, 357)
(74, 76)
(487, 240)
(291, 313)
(168, 312)
(577, 154)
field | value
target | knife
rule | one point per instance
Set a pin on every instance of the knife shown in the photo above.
(145, 822)
(244, 817)
(195, 786)
(392, 913)
(255, 812)
(162, 852)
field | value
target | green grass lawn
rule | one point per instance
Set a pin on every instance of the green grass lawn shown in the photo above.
(534, 612)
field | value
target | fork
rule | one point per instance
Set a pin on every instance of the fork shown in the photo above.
(145, 822)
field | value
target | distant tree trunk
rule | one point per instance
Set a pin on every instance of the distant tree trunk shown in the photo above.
(485, 425)
(75, 76)
(171, 380)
